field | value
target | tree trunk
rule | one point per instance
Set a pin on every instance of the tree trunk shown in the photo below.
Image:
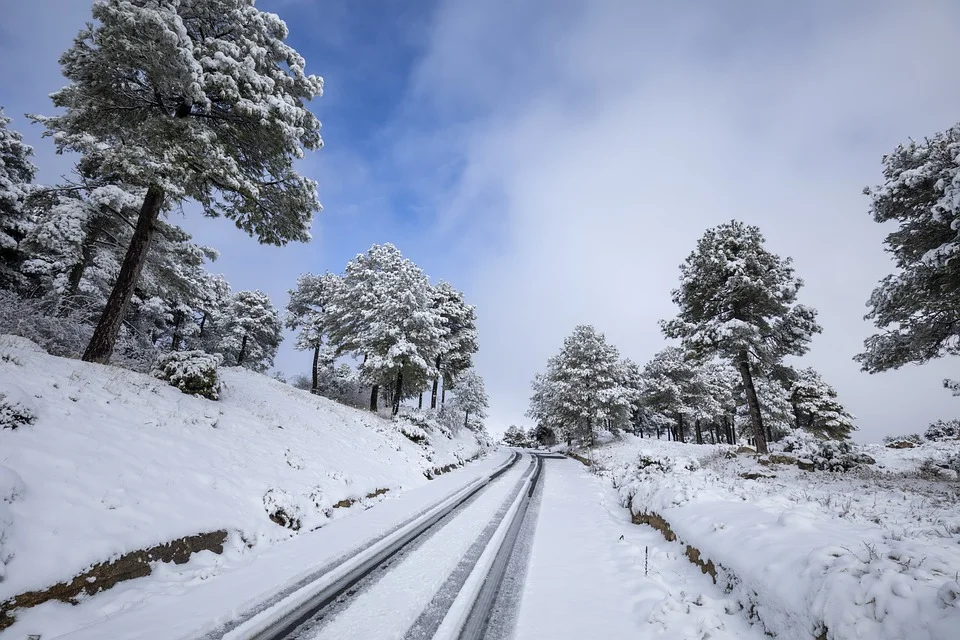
(699, 432)
(733, 432)
(315, 378)
(243, 351)
(443, 395)
(436, 384)
(398, 392)
(680, 436)
(420, 404)
(203, 322)
(752, 403)
(175, 341)
(108, 328)
(466, 418)
(374, 393)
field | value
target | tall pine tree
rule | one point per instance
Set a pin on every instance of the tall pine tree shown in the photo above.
(194, 99)
(737, 301)
(918, 307)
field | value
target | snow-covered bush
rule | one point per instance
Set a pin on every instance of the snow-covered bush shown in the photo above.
(283, 509)
(912, 438)
(411, 430)
(943, 430)
(824, 455)
(948, 467)
(648, 464)
(14, 414)
(193, 372)
(66, 334)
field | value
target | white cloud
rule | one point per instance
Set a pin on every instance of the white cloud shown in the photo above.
(609, 136)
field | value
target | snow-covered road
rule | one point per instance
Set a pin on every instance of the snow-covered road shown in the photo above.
(393, 603)
(586, 577)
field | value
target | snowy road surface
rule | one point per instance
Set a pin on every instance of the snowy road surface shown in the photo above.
(584, 582)
(391, 605)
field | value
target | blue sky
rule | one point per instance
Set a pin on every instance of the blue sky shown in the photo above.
(557, 159)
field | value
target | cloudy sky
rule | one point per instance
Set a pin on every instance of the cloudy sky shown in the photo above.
(558, 159)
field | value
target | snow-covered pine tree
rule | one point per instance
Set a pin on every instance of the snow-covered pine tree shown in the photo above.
(816, 408)
(737, 301)
(212, 313)
(775, 407)
(251, 331)
(582, 390)
(722, 383)
(174, 287)
(670, 388)
(77, 241)
(631, 377)
(514, 436)
(471, 398)
(198, 99)
(458, 342)
(305, 314)
(918, 308)
(383, 314)
(16, 175)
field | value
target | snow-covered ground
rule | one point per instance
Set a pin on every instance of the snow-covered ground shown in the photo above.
(593, 574)
(117, 461)
(869, 553)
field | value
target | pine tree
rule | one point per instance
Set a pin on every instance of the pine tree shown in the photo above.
(918, 308)
(670, 388)
(458, 341)
(306, 314)
(816, 409)
(514, 436)
(471, 397)
(582, 390)
(77, 241)
(197, 99)
(16, 175)
(738, 301)
(383, 314)
(251, 332)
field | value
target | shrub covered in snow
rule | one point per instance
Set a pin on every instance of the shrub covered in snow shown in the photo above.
(939, 468)
(283, 509)
(411, 430)
(13, 414)
(193, 372)
(824, 455)
(912, 438)
(943, 430)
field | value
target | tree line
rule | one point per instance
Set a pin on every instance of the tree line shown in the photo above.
(738, 319)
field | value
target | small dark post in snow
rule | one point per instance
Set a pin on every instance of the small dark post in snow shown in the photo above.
(646, 560)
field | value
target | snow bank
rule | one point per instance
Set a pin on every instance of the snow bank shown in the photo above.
(872, 554)
(117, 461)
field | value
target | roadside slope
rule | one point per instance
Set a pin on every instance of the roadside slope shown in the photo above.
(117, 461)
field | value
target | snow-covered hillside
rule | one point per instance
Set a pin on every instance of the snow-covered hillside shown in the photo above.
(117, 461)
(868, 553)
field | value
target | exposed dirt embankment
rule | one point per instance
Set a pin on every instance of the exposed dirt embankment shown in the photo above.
(105, 575)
